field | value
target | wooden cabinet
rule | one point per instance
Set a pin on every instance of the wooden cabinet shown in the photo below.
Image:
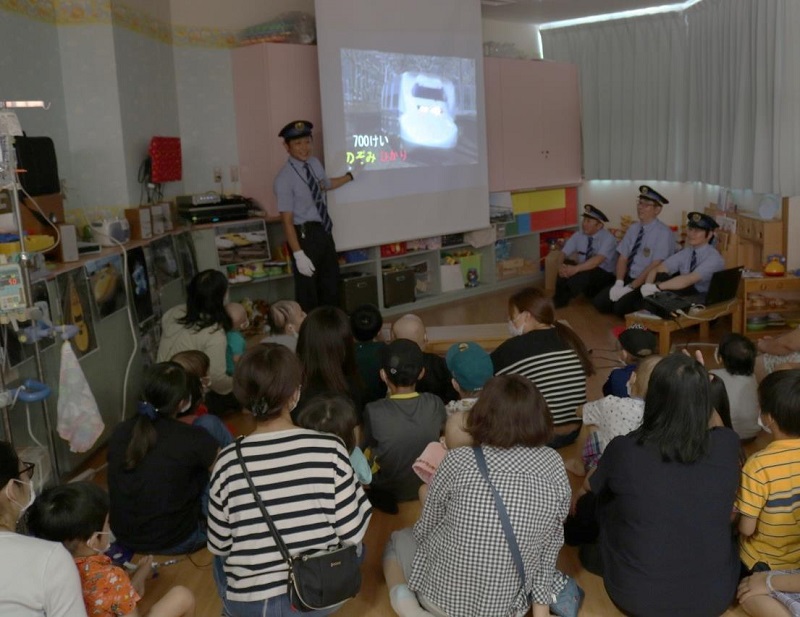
(533, 124)
(770, 306)
(755, 239)
(273, 84)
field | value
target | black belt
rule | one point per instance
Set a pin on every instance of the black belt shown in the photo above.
(302, 227)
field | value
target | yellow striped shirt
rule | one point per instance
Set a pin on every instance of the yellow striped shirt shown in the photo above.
(770, 492)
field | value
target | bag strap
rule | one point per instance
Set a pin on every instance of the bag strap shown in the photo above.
(501, 510)
(273, 530)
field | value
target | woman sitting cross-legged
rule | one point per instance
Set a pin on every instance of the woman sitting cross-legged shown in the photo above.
(457, 559)
(303, 477)
(665, 495)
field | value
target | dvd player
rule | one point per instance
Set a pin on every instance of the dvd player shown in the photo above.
(214, 213)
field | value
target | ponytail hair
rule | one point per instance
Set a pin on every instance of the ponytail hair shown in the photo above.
(166, 386)
(540, 307)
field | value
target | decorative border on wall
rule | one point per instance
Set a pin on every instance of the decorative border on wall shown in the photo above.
(41, 10)
(83, 12)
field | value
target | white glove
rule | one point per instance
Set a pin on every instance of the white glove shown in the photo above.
(648, 289)
(615, 293)
(619, 290)
(303, 263)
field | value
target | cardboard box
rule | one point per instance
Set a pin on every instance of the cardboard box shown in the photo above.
(139, 220)
(450, 277)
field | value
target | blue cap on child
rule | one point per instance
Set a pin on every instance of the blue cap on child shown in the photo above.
(470, 365)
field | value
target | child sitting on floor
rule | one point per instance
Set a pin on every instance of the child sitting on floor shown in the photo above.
(471, 368)
(636, 343)
(768, 530)
(235, 345)
(284, 318)
(197, 364)
(737, 354)
(398, 428)
(76, 515)
(437, 378)
(612, 416)
(334, 413)
(366, 322)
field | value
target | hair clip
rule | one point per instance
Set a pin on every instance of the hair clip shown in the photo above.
(146, 409)
(260, 407)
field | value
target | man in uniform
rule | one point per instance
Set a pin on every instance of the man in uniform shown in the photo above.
(693, 266)
(646, 244)
(300, 188)
(594, 267)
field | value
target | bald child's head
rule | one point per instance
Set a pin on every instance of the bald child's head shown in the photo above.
(410, 327)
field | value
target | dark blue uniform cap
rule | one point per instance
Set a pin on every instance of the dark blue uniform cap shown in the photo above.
(594, 213)
(645, 192)
(698, 220)
(296, 129)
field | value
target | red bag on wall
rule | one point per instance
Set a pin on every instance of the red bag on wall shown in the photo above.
(165, 159)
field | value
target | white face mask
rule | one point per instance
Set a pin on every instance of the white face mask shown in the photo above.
(513, 329)
(98, 550)
(764, 426)
(31, 498)
(186, 407)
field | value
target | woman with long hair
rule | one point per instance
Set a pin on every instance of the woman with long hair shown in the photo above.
(158, 469)
(326, 350)
(201, 324)
(457, 559)
(550, 354)
(665, 494)
(303, 477)
(37, 578)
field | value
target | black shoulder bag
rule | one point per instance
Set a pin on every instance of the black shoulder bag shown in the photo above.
(318, 580)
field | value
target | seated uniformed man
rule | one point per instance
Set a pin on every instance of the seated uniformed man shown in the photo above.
(593, 268)
(693, 266)
(646, 244)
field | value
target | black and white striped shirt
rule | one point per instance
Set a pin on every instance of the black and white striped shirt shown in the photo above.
(551, 364)
(307, 485)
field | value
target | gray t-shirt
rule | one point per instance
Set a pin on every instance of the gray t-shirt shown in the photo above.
(743, 396)
(397, 431)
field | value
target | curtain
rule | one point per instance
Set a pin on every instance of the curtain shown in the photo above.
(709, 94)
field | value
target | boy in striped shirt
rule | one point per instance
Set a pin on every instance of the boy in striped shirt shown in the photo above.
(769, 495)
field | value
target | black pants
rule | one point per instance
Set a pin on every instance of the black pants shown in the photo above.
(629, 303)
(588, 283)
(322, 288)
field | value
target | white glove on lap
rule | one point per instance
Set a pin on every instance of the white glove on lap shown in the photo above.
(303, 263)
(615, 293)
(648, 289)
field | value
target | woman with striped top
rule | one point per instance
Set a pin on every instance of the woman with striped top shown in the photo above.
(303, 477)
(551, 355)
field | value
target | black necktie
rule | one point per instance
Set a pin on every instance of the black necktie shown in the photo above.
(693, 263)
(590, 248)
(635, 249)
(319, 199)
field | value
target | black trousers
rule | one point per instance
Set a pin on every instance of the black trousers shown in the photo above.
(322, 288)
(588, 283)
(629, 303)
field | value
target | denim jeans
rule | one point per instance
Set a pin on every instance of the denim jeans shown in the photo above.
(278, 606)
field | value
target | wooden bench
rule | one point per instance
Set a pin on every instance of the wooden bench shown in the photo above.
(665, 327)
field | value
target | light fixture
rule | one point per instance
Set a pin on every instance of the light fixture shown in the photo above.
(665, 8)
(23, 104)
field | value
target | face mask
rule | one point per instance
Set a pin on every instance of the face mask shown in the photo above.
(97, 550)
(513, 330)
(186, 407)
(30, 499)
(628, 388)
(764, 426)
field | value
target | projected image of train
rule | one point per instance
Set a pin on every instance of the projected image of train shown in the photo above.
(404, 110)
(421, 109)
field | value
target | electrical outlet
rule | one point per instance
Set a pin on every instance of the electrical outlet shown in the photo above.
(234, 173)
(217, 175)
